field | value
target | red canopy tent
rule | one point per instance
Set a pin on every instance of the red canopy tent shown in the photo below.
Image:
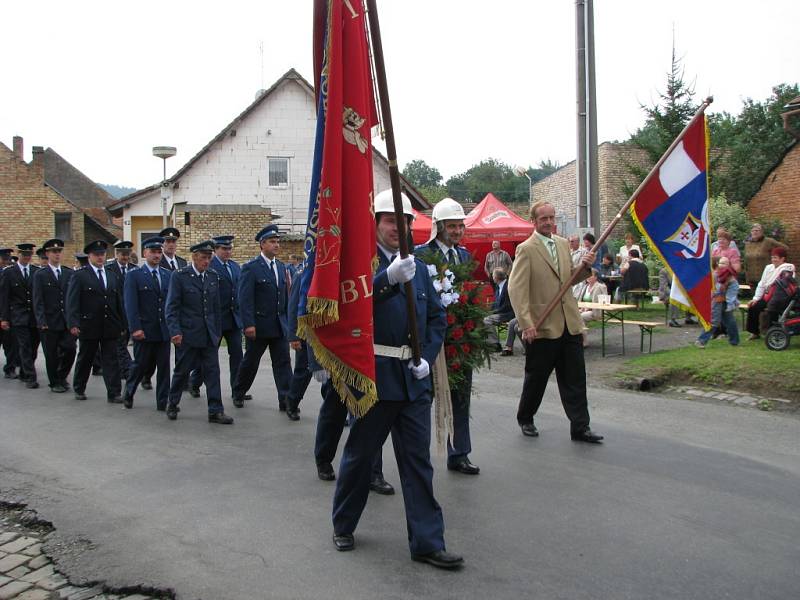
(420, 228)
(492, 220)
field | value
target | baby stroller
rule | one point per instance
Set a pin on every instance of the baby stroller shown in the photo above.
(787, 325)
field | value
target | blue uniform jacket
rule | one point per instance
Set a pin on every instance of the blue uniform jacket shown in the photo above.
(228, 294)
(193, 308)
(146, 307)
(261, 304)
(394, 379)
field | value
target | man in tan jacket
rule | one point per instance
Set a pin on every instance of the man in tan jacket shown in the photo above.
(542, 265)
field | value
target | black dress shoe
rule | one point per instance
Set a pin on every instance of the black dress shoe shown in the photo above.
(194, 392)
(58, 388)
(325, 472)
(530, 430)
(674, 323)
(10, 375)
(248, 397)
(587, 435)
(281, 407)
(464, 466)
(344, 542)
(31, 385)
(65, 385)
(80, 396)
(440, 559)
(293, 414)
(146, 385)
(114, 399)
(380, 486)
(172, 412)
(127, 400)
(238, 402)
(220, 419)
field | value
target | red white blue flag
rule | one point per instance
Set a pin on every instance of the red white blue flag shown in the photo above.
(671, 211)
(335, 311)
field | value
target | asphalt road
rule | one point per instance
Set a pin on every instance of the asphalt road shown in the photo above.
(685, 500)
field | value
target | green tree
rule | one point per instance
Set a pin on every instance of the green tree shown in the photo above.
(490, 175)
(421, 174)
(750, 144)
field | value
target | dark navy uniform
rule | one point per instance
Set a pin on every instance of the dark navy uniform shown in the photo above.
(49, 306)
(263, 299)
(301, 375)
(193, 312)
(16, 308)
(458, 448)
(94, 306)
(229, 274)
(404, 408)
(6, 337)
(169, 263)
(146, 293)
(122, 271)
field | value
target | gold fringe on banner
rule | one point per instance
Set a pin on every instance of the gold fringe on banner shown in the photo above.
(343, 377)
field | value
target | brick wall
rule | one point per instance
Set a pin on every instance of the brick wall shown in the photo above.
(779, 197)
(613, 162)
(207, 221)
(28, 206)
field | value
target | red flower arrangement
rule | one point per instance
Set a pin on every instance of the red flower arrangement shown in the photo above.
(466, 302)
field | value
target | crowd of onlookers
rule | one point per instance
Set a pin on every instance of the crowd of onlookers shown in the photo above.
(761, 265)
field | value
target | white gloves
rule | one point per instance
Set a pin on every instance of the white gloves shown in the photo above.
(321, 376)
(401, 270)
(420, 371)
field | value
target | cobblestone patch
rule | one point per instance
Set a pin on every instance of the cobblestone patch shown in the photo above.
(728, 397)
(27, 573)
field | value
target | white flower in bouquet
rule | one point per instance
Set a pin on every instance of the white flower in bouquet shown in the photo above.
(447, 285)
(447, 299)
(437, 285)
(432, 271)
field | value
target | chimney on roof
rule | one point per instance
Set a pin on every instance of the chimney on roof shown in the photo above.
(18, 147)
(260, 93)
(38, 161)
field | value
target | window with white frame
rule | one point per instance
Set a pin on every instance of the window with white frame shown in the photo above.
(278, 172)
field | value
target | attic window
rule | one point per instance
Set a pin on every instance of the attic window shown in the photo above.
(278, 172)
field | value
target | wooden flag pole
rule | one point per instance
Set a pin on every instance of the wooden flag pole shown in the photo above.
(572, 280)
(394, 173)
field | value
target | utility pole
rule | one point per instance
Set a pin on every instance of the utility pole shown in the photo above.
(588, 199)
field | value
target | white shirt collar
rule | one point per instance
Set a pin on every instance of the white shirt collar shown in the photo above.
(23, 267)
(444, 247)
(544, 238)
(196, 272)
(269, 261)
(388, 253)
(54, 269)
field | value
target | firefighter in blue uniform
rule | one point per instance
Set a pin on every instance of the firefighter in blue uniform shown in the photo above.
(263, 298)
(49, 306)
(193, 320)
(6, 337)
(404, 401)
(146, 291)
(172, 262)
(95, 316)
(16, 312)
(301, 375)
(229, 272)
(121, 266)
(447, 229)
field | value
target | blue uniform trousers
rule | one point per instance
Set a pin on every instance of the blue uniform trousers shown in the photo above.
(461, 445)
(150, 357)
(27, 339)
(59, 348)
(301, 377)
(207, 358)
(10, 350)
(330, 424)
(410, 425)
(233, 340)
(281, 366)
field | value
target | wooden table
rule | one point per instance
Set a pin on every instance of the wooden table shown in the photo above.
(610, 313)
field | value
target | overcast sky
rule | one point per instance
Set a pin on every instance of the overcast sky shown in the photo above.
(103, 82)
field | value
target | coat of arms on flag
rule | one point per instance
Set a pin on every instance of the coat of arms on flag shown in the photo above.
(692, 235)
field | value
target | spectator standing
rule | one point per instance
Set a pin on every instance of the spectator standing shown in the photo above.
(725, 247)
(724, 302)
(757, 253)
(576, 251)
(624, 252)
(497, 258)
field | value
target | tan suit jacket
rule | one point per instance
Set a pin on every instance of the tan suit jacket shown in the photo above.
(535, 282)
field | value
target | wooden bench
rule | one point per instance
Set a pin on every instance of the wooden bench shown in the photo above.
(645, 327)
(638, 295)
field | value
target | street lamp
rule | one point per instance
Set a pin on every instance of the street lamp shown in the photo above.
(520, 171)
(164, 152)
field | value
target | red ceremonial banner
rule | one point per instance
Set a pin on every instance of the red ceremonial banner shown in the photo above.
(338, 318)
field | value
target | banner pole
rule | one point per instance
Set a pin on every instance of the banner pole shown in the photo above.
(618, 217)
(394, 173)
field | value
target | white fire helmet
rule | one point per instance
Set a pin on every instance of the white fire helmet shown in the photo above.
(446, 209)
(384, 203)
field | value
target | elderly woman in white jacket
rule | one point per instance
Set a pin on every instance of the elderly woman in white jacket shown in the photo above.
(757, 305)
(589, 290)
